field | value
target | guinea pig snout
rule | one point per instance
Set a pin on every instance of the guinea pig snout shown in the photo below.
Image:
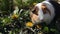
(36, 19)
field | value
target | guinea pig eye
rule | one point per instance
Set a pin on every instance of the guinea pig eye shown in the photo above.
(35, 11)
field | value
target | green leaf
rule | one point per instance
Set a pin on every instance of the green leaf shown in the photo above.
(46, 29)
(53, 30)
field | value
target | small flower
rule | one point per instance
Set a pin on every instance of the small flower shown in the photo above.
(34, 4)
(14, 16)
(29, 24)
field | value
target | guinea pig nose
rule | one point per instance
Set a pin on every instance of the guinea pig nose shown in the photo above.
(42, 20)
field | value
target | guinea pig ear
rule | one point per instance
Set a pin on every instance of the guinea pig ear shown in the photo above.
(45, 9)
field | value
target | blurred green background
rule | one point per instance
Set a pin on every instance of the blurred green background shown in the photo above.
(9, 22)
